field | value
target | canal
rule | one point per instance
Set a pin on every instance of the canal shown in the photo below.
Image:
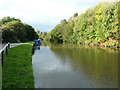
(75, 66)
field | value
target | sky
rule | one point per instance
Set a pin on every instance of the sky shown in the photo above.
(44, 15)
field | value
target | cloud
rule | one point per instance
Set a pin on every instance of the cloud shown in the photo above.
(43, 13)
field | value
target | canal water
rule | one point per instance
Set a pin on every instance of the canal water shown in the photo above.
(75, 66)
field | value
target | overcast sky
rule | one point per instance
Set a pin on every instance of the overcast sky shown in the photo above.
(43, 15)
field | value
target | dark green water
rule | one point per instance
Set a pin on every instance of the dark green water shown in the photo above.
(72, 66)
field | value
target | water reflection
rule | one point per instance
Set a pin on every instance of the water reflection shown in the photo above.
(75, 66)
(97, 64)
(34, 48)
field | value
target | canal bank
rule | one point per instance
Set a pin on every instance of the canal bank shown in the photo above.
(17, 70)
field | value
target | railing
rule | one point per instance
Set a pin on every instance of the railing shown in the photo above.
(4, 50)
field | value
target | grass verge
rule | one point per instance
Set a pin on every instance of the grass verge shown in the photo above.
(17, 70)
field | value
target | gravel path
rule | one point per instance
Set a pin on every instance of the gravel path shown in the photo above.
(15, 44)
(11, 45)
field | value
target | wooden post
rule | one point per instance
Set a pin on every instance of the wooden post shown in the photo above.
(2, 57)
(9, 45)
(6, 50)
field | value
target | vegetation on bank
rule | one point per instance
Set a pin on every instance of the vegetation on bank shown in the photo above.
(99, 25)
(13, 30)
(17, 70)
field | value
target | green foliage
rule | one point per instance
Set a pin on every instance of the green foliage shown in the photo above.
(13, 30)
(109, 43)
(95, 26)
(9, 19)
(43, 35)
(63, 31)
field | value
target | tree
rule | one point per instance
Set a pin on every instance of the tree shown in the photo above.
(13, 30)
(43, 35)
(96, 25)
(9, 19)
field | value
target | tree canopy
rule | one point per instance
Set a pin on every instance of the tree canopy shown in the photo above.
(13, 30)
(97, 26)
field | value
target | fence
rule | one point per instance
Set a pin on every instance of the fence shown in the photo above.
(4, 50)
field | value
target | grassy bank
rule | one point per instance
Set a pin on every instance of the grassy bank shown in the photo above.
(17, 69)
